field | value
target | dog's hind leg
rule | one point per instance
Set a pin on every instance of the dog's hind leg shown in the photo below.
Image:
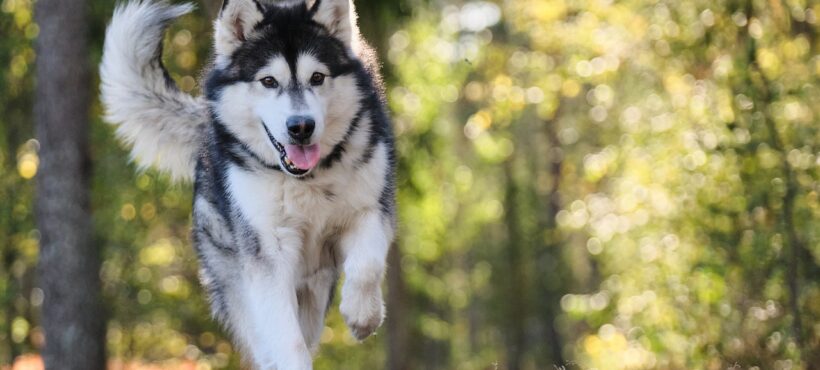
(262, 312)
(262, 309)
(314, 298)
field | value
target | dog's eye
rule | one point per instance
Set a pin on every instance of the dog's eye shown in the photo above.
(317, 79)
(269, 82)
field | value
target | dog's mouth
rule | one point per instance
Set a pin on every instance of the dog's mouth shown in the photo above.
(296, 160)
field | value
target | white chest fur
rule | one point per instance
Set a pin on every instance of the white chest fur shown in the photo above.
(297, 217)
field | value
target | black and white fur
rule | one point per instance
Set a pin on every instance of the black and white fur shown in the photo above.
(272, 239)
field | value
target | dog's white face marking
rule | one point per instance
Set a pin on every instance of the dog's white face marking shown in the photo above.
(291, 97)
(258, 112)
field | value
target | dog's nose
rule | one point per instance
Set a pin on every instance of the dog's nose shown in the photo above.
(301, 128)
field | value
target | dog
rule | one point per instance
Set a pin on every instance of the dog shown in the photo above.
(291, 152)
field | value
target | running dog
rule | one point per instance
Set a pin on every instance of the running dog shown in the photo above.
(291, 152)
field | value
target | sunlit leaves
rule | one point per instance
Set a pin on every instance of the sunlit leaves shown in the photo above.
(679, 126)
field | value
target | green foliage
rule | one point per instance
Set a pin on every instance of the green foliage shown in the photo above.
(18, 162)
(592, 184)
(686, 185)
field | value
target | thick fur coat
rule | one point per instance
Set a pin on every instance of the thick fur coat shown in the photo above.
(291, 154)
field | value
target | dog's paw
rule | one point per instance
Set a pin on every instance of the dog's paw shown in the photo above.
(362, 310)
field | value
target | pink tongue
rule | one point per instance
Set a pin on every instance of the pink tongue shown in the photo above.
(303, 157)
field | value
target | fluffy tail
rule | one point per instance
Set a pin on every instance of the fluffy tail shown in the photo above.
(163, 125)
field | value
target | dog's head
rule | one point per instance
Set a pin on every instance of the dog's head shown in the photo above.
(284, 78)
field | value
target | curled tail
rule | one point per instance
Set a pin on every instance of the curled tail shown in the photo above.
(163, 125)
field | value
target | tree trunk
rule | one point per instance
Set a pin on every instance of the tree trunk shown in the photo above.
(549, 256)
(398, 318)
(513, 284)
(69, 263)
(763, 93)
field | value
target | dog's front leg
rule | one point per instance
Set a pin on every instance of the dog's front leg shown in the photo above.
(266, 315)
(364, 249)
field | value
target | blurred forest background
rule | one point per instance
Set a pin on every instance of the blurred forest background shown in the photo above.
(583, 184)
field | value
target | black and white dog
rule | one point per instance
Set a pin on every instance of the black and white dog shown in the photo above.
(291, 153)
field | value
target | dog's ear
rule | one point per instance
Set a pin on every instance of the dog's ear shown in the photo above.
(338, 16)
(235, 23)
